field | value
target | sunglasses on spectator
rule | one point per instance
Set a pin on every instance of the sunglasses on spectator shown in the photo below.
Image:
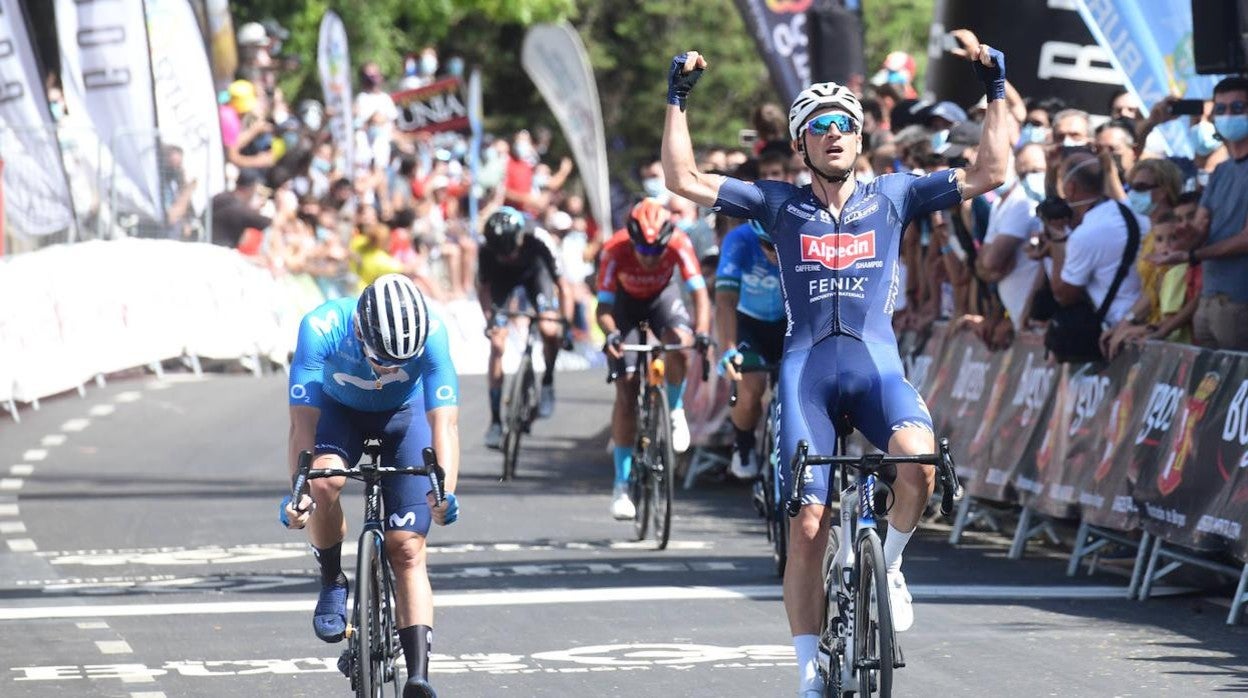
(1236, 107)
(820, 125)
(1143, 186)
(648, 250)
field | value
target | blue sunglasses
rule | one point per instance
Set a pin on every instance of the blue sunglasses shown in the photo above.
(820, 125)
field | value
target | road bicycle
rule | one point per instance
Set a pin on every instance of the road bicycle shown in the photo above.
(651, 481)
(520, 405)
(373, 658)
(768, 499)
(858, 648)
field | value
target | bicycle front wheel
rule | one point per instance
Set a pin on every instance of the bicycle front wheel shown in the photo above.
(639, 492)
(873, 620)
(662, 461)
(367, 637)
(773, 501)
(395, 669)
(514, 424)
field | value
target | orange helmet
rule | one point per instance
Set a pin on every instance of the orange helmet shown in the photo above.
(649, 224)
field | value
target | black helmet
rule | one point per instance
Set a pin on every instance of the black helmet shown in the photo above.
(505, 230)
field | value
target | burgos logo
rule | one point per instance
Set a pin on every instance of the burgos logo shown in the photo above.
(838, 250)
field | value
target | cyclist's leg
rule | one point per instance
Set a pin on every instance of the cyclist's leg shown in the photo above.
(628, 313)
(758, 342)
(499, 291)
(671, 323)
(339, 442)
(806, 385)
(544, 296)
(407, 523)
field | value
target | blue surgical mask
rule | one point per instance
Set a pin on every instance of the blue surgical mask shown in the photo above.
(455, 66)
(1141, 202)
(939, 139)
(1033, 184)
(1203, 137)
(428, 64)
(1010, 180)
(1032, 134)
(653, 186)
(321, 165)
(58, 110)
(1232, 127)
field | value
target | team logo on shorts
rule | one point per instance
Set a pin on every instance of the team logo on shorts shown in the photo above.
(838, 251)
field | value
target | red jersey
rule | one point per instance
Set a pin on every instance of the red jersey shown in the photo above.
(619, 269)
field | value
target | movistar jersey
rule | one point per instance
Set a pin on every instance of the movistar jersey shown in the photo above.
(329, 362)
(744, 269)
(839, 275)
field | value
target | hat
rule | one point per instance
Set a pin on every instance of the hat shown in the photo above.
(948, 111)
(252, 34)
(961, 136)
(242, 96)
(560, 220)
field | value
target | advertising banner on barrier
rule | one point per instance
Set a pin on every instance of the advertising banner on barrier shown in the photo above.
(106, 73)
(1023, 395)
(960, 394)
(556, 61)
(36, 195)
(438, 106)
(186, 101)
(334, 65)
(1221, 453)
(779, 31)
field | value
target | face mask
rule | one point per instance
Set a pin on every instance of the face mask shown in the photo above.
(1032, 134)
(455, 66)
(539, 182)
(1232, 127)
(1069, 142)
(1141, 202)
(428, 64)
(1033, 184)
(524, 150)
(1010, 180)
(373, 132)
(653, 186)
(58, 110)
(322, 166)
(939, 139)
(1203, 138)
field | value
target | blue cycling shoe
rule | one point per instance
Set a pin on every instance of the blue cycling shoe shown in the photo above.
(329, 620)
(417, 687)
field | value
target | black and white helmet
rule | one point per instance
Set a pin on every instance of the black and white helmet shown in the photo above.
(821, 95)
(393, 320)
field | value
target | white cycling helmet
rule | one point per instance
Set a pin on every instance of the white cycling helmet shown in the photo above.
(393, 319)
(821, 95)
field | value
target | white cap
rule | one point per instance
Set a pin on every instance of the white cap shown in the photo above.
(252, 34)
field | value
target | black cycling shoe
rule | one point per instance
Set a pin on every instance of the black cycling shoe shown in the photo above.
(417, 687)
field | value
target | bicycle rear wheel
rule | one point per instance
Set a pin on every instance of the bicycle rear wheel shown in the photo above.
(662, 462)
(368, 640)
(873, 620)
(773, 501)
(514, 424)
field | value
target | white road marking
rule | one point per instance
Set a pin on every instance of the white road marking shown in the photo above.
(114, 647)
(53, 440)
(147, 694)
(92, 625)
(566, 596)
(35, 454)
(7, 527)
(22, 545)
(75, 424)
(8, 509)
(128, 396)
(22, 470)
(11, 483)
(137, 678)
(101, 410)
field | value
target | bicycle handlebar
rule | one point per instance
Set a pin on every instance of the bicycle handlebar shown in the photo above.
(753, 368)
(437, 476)
(615, 368)
(872, 463)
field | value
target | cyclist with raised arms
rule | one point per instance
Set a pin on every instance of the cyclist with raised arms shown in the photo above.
(634, 284)
(837, 242)
(376, 368)
(749, 315)
(518, 254)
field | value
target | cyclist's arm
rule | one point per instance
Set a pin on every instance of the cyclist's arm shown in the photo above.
(444, 425)
(302, 433)
(992, 156)
(607, 285)
(680, 167)
(726, 316)
(701, 310)
(316, 338)
(695, 283)
(441, 386)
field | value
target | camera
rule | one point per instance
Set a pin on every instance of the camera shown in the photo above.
(1054, 208)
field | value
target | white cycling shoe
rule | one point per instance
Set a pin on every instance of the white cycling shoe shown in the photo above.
(900, 602)
(622, 508)
(743, 471)
(680, 431)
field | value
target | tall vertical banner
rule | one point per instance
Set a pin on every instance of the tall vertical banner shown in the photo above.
(779, 31)
(476, 115)
(333, 61)
(186, 101)
(106, 72)
(556, 62)
(36, 196)
(1150, 41)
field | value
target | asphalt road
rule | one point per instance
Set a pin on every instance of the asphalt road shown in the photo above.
(142, 557)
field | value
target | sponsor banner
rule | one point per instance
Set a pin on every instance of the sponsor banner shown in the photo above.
(333, 63)
(1007, 438)
(779, 31)
(186, 101)
(476, 118)
(1104, 481)
(960, 392)
(921, 364)
(1150, 43)
(1176, 485)
(438, 106)
(1222, 438)
(106, 74)
(1063, 60)
(555, 60)
(36, 196)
